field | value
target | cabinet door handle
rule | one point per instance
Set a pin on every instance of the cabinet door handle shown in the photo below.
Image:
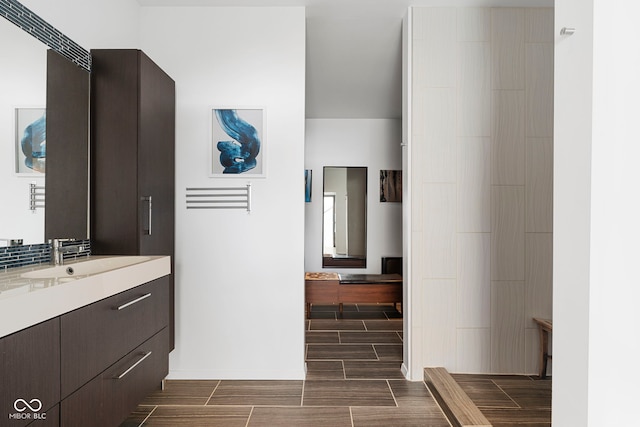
(132, 367)
(145, 296)
(149, 199)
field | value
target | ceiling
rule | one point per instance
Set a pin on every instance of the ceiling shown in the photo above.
(354, 50)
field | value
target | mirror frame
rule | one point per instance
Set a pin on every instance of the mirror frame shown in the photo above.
(346, 261)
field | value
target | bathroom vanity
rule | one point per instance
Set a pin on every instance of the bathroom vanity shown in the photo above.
(83, 346)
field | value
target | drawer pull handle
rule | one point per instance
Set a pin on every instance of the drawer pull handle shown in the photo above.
(123, 306)
(132, 367)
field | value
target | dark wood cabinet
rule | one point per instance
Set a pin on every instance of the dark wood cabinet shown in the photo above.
(133, 157)
(67, 186)
(29, 375)
(109, 398)
(114, 352)
(96, 336)
(88, 367)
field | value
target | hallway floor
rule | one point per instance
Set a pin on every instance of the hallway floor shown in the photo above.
(353, 379)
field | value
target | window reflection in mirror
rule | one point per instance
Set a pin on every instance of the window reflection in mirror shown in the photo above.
(344, 228)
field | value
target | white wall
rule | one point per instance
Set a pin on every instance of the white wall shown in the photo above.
(374, 143)
(481, 177)
(595, 214)
(239, 276)
(614, 292)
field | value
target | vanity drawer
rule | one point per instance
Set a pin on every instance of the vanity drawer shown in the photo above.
(108, 399)
(96, 336)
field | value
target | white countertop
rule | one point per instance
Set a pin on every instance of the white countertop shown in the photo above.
(25, 302)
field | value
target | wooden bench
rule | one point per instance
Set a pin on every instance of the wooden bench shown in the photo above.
(334, 288)
(457, 406)
(545, 327)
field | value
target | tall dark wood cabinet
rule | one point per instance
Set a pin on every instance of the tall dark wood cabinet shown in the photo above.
(67, 149)
(132, 157)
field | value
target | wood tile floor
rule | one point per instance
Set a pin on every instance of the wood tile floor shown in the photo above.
(509, 400)
(353, 379)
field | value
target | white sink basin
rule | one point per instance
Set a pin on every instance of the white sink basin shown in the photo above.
(84, 268)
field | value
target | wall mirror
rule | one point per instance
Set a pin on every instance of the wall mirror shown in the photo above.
(344, 219)
(23, 67)
(23, 83)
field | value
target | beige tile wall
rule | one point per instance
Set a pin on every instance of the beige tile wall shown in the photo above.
(482, 182)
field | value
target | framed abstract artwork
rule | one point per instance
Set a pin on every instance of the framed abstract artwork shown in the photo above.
(307, 185)
(237, 147)
(31, 141)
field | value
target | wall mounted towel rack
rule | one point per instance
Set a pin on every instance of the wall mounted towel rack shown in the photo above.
(36, 196)
(219, 197)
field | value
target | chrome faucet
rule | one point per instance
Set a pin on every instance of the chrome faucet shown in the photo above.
(58, 250)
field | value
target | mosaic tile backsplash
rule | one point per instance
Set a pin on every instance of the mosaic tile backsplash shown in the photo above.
(24, 18)
(20, 256)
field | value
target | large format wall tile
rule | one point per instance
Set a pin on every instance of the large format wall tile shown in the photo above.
(417, 269)
(507, 38)
(508, 139)
(507, 327)
(439, 221)
(539, 185)
(438, 161)
(435, 45)
(417, 137)
(439, 318)
(474, 24)
(474, 280)
(538, 24)
(539, 277)
(474, 184)
(474, 89)
(482, 159)
(474, 350)
(507, 238)
(531, 346)
(417, 116)
(539, 89)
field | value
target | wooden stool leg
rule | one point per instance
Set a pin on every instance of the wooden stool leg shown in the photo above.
(308, 310)
(340, 307)
(544, 352)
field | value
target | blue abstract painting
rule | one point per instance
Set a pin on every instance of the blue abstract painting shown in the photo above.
(31, 140)
(307, 185)
(237, 142)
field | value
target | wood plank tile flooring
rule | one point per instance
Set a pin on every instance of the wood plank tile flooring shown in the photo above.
(353, 379)
(510, 400)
